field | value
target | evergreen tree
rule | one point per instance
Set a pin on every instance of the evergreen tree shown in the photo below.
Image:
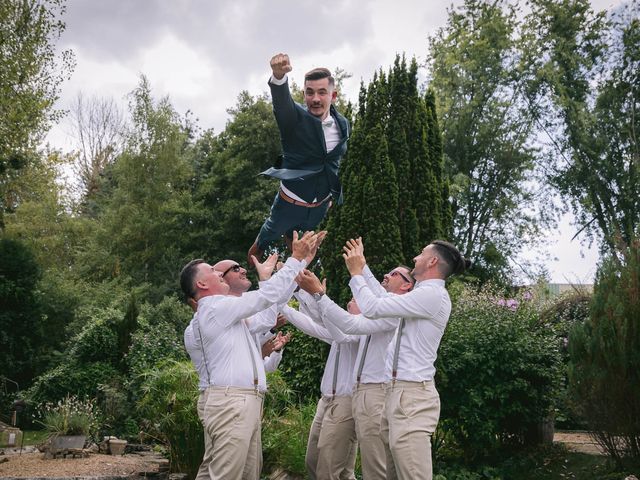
(604, 370)
(396, 196)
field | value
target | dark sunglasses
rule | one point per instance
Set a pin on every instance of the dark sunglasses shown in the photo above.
(236, 268)
(396, 272)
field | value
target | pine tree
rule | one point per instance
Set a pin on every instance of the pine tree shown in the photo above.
(395, 193)
(604, 371)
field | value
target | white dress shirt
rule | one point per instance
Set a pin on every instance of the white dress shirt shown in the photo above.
(347, 347)
(230, 352)
(194, 348)
(381, 332)
(426, 311)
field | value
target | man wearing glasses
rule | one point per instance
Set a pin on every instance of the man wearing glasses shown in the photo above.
(236, 377)
(314, 139)
(369, 373)
(260, 324)
(412, 403)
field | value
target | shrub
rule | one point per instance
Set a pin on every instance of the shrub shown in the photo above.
(168, 407)
(604, 372)
(72, 378)
(303, 364)
(498, 373)
(564, 313)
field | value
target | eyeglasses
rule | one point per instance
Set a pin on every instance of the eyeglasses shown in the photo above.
(236, 268)
(396, 272)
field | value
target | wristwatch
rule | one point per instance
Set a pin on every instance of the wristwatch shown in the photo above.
(317, 296)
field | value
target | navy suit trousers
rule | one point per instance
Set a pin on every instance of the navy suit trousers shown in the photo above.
(286, 217)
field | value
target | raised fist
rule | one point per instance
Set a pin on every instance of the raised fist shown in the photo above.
(280, 65)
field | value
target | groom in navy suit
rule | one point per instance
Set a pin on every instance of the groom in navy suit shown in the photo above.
(314, 139)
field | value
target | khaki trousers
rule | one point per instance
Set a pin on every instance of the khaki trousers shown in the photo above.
(368, 403)
(410, 417)
(203, 471)
(232, 421)
(332, 444)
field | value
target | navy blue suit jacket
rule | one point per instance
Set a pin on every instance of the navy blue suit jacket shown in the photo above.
(308, 170)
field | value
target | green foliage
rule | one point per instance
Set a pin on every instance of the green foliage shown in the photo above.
(565, 313)
(157, 337)
(71, 378)
(142, 220)
(487, 130)
(232, 200)
(303, 364)
(30, 76)
(70, 416)
(284, 438)
(22, 332)
(395, 193)
(604, 371)
(498, 373)
(586, 92)
(168, 407)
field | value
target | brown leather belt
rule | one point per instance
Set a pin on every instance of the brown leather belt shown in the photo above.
(293, 201)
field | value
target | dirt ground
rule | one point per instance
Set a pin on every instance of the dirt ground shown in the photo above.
(35, 465)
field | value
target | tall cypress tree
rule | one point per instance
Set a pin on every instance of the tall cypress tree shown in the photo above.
(395, 193)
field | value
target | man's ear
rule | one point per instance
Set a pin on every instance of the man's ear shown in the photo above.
(334, 95)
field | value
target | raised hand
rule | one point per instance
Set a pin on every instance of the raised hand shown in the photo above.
(265, 269)
(280, 65)
(302, 247)
(354, 256)
(319, 239)
(310, 283)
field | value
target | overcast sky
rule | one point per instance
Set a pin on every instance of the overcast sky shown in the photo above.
(203, 53)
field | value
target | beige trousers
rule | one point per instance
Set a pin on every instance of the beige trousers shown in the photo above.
(232, 421)
(368, 403)
(332, 444)
(410, 417)
(203, 471)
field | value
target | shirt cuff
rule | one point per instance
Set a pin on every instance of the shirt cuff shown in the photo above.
(274, 81)
(357, 282)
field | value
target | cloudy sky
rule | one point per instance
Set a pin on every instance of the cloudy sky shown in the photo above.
(203, 53)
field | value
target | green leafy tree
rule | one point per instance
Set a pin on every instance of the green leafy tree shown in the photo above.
(487, 132)
(604, 369)
(30, 76)
(142, 217)
(231, 200)
(587, 95)
(22, 332)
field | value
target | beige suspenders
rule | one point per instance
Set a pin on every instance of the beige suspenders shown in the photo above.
(253, 358)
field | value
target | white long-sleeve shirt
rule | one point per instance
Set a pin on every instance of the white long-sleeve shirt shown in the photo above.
(347, 347)
(230, 352)
(194, 349)
(381, 332)
(426, 311)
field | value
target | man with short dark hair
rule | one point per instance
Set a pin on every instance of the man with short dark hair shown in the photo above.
(412, 404)
(314, 139)
(236, 378)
